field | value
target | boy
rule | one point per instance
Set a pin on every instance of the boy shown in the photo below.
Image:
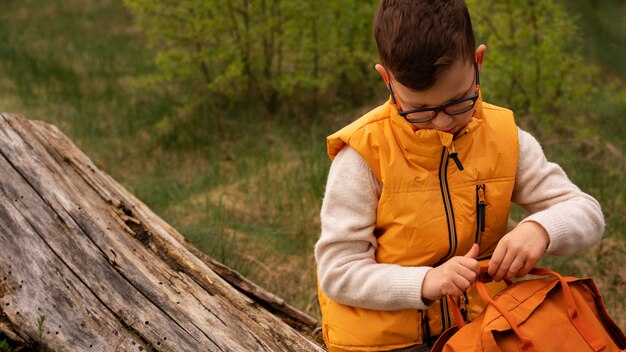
(420, 188)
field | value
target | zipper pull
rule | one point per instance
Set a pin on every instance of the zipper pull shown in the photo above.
(464, 305)
(455, 156)
(482, 204)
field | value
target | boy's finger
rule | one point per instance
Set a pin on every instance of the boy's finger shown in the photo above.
(515, 268)
(473, 252)
(468, 273)
(528, 266)
(453, 291)
(507, 261)
(461, 284)
(496, 259)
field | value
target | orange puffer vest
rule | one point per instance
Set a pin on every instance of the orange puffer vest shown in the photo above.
(429, 211)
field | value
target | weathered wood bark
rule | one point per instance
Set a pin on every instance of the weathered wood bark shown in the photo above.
(106, 272)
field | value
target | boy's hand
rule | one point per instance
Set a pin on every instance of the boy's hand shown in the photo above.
(518, 251)
(452, 277)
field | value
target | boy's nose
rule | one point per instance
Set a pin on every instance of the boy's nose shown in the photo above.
(441, 120)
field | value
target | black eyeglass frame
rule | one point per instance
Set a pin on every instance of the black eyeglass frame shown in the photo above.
(436, 110)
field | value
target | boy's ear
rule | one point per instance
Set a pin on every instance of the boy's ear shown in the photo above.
(479, 55)
(383, 73)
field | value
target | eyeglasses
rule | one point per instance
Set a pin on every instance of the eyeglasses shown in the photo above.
(455, 107)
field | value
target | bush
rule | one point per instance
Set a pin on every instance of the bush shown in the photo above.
(276, 53)
(534, 63)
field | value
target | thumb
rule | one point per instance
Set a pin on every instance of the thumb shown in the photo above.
(473, 252)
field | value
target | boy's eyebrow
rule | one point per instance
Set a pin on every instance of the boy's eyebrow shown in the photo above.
(455, 97)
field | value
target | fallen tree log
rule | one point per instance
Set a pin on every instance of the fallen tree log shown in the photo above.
(85, 266)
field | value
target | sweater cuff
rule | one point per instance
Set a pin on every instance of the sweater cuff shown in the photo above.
(406, 286)
(557, 229)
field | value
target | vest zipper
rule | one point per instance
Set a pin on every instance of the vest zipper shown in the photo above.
(445, 314)
(426, 337)
(481, 205)
(447, 204)
(465, 306)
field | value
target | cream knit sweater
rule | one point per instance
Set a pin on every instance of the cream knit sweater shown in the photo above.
(345, 253)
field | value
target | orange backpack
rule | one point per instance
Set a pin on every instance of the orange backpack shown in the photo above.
(545, 315)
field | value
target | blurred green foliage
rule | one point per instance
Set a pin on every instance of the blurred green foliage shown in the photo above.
(298, 54)
(534, 62)
(313, 57)
(602, 27)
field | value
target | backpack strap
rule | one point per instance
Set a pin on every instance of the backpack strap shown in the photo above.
(583, 328)
(524, 344)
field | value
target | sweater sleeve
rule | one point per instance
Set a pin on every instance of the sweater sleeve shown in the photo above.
(572, 218)
(345, 253)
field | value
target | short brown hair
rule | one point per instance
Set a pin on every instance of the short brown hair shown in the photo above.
(419, 39)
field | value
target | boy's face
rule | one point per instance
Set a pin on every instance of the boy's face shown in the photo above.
(455, 83)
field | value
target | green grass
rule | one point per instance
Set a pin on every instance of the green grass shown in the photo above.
(243, 188)
(251, 203)
(74, 63)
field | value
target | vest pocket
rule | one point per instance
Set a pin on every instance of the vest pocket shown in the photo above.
(481, 207)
